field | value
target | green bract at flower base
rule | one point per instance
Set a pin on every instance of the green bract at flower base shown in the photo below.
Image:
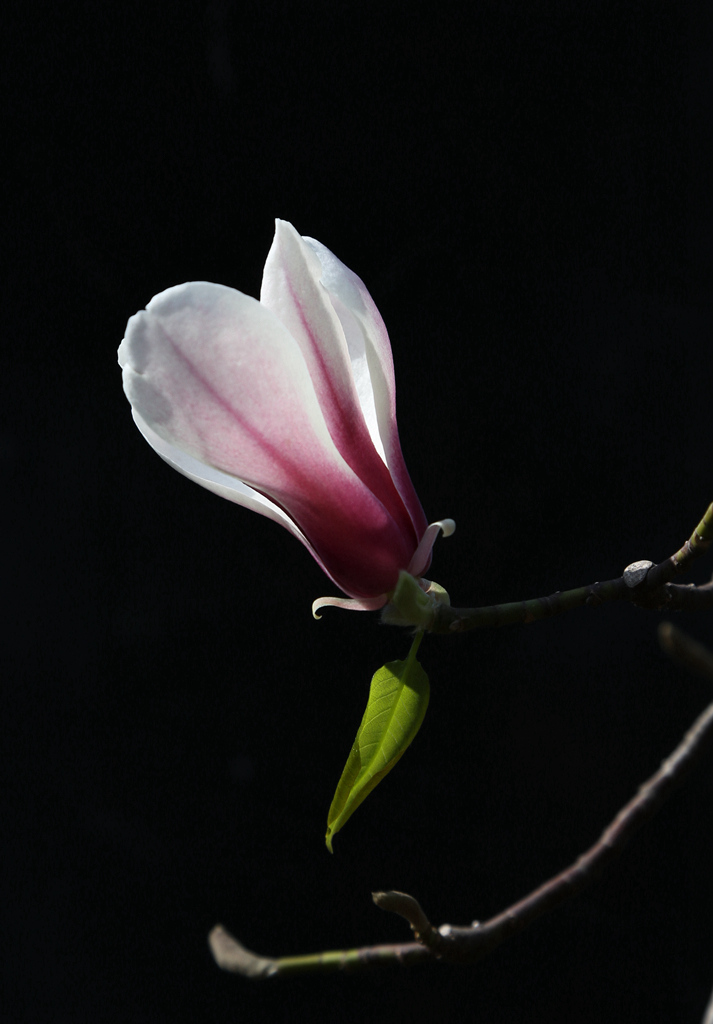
(413, 602)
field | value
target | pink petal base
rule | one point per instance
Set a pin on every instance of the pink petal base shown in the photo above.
(418, 565)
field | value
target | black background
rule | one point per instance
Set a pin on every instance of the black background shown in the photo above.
(525, 189)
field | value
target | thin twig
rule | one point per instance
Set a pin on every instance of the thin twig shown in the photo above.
(232, 956)
(642, 583)
(468, 944)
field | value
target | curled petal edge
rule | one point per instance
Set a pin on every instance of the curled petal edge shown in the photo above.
(350, 604)
(422, 555)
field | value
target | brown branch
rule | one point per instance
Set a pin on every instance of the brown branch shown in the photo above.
(642, 583)
(468, 944)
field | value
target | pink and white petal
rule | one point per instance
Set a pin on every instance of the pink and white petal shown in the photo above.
(373, 367)
(240, 493)
(351, 299)
(214, 480)
(213, 372)
(291, 289)
(216, 375)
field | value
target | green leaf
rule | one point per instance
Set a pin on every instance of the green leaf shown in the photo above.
(398, 699)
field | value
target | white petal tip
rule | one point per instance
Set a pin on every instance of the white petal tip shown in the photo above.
(448, 526)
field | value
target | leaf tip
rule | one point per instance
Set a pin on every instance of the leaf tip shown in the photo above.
(328, 840)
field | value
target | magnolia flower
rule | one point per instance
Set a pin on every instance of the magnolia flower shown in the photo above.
(286, 406)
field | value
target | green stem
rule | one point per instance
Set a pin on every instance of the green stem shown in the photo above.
(411, 656)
